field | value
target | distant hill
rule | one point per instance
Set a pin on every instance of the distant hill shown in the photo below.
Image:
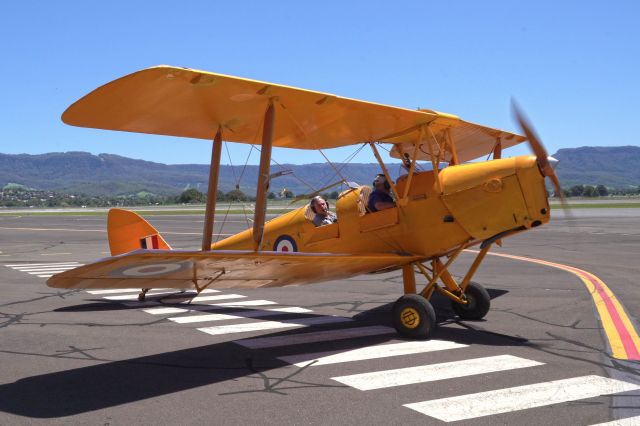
(616, 166)
(107, 174)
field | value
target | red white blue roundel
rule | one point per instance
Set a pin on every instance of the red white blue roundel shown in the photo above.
(285, 244)
(150, 269)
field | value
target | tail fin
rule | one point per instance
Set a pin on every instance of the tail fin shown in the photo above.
(128, 231)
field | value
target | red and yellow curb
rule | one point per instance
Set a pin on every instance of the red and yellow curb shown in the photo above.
(622, 336)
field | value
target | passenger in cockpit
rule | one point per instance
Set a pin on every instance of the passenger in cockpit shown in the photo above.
(321, 209)
(380, 198)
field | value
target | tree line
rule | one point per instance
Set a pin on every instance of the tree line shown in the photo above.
(192, 195)
(599, 191)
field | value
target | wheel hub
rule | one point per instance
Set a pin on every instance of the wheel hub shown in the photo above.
(410, 317)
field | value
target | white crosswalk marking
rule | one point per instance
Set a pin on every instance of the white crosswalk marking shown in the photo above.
(244, 328)
(44, 270)
(53, 269)
(272, 325)
(371, 352)
(435, 372)
(315, 336)
(135, 296)
(239, 315)
(200, 299)
(30, 265)
(163, 311)
(209, 307)
(506, 400)
(245, 303)
(137, 290)
(118, 290)
(629, 421)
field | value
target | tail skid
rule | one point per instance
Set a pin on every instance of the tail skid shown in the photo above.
(128, 231)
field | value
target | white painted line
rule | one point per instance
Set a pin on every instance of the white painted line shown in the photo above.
(115, 291)
(163, 311)
(506, 400)
(270, 325)
(44, 276)
(371, 352)
(34, 268)
(54, 265)
(315, 336)
(28, 265)
(244, 328)
(54, 271)
(244, 303)
(137, 304)
(238, 315)
(45, 270)
(52, 254)
(197, 299)
(135, 296)
(210, 307)
(435, 372)
(320, 320)
(629, 421)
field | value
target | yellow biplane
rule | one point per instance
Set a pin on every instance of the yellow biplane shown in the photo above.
(439, 212)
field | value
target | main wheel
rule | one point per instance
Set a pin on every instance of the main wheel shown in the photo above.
(478, 304)
(414, 317)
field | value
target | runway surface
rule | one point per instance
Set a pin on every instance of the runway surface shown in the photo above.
(319, 354)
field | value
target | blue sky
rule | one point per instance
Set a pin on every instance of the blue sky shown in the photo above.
(573, 65)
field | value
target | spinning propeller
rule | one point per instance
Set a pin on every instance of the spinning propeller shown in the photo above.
(539, 150)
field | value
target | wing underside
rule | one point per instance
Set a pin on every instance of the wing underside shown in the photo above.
(221, 269)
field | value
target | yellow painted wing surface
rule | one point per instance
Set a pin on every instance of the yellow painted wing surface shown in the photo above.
(471, 140)
(183, 102)
(189, 103)
(221, 269)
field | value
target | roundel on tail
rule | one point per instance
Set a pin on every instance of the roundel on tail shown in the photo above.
(285, 244)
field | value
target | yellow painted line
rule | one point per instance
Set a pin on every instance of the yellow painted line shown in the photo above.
(622, 336)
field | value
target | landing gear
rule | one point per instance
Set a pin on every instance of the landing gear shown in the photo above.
(414, 317)
(143, 294)
(478, 303)
(413, 314)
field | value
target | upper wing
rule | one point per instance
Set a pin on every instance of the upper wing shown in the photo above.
(471, 140)
(221, 269)
(183, 102)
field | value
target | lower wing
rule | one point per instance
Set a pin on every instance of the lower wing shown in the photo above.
(222, 269)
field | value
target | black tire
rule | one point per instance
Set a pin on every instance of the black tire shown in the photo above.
(478, 306)
(414, 317)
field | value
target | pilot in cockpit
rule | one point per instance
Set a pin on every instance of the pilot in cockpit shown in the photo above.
(322, 214)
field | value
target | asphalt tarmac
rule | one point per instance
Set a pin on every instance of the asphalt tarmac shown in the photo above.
(539, 357)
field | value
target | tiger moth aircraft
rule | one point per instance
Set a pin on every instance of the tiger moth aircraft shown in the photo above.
(438, 213)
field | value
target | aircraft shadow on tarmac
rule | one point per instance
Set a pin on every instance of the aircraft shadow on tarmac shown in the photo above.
(113, 383)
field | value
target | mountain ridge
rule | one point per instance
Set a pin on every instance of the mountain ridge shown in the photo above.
(111, 174)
